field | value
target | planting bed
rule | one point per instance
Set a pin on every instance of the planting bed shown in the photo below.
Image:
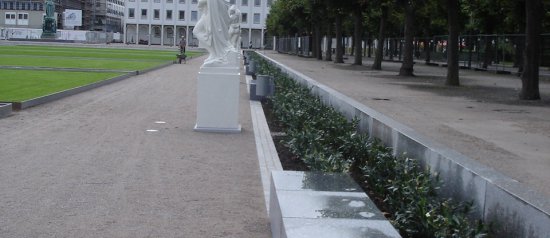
(325, 141)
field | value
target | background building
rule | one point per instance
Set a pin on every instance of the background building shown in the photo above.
(98, 15)
(164, 22)
(21, 14)
(103, 15)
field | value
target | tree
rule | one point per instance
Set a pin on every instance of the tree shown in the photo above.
(452, 43)
(408, 60)
(381, 38)
(358, 31)
(530, 76)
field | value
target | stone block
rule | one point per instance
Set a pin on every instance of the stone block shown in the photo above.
(315, 204)
(330, 228)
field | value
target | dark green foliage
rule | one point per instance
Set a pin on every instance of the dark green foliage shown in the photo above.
(326, 141)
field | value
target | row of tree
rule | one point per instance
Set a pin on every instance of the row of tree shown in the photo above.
(409, 18)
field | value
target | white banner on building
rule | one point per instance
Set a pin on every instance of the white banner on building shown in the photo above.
(72, 17)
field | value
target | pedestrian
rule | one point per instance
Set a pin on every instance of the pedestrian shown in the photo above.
(182, 44)
(250, 45)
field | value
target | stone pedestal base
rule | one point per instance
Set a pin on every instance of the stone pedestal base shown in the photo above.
(218, 100)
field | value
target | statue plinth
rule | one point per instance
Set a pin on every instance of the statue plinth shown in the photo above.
(49, 28)
(218, 99)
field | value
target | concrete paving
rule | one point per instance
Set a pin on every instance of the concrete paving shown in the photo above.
(123, 161)
(482, 119)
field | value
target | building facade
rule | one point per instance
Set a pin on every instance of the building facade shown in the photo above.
(21, 14)
(164, 22)
(97, 15)
(103, 15)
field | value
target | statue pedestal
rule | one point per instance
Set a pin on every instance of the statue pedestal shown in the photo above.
(218, 100)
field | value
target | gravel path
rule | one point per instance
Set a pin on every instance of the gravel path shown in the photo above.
(86, 166)
(483, 119)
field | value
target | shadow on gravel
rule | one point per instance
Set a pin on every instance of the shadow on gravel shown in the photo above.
(499, 95)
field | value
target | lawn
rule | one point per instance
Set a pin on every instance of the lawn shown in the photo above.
(22, 84)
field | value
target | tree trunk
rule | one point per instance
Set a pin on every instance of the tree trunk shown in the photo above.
(381, 38)
(407, 67)
(488, 57)
(316, 43)
(533, 26)
(329, 43)
(353, 41)
(452, 44)
(428, 50)
(369, 54)
(339, 46)
(470, 50)
(358, 36)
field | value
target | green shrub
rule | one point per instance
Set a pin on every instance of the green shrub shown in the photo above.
(326, 141)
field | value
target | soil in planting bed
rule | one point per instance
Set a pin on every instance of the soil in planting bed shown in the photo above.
(289, 161)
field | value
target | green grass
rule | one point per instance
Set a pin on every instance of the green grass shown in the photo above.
(21, 85)
(98, 53)
(82, 63)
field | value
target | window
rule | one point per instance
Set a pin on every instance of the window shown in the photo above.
(131, 12)
(244, 18)
(143, 0)
(169, 1)
(168, 14)
(269, 2)
(193, 15)
(194, 1)
(182, 1)
(257, 3)
(181, 16)
(10, 18)
(5, 5)
(143, 13)
(244, 2)
(22, 19)
(156, 1)
(156, 14)
(232, 1)
(256, 18)
(169, 32)
(156, 31)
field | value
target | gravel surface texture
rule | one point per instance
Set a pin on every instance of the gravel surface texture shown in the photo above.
(123, 161)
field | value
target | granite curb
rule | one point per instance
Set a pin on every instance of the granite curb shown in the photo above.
(5, 109)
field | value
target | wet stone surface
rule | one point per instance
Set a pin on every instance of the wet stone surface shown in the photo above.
(314, 181)
(306, 204)
(330, 228)
(314, 204)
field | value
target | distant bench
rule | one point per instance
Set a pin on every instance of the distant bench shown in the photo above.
(319, 205)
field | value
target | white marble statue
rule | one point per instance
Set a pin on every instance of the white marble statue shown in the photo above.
(211, 31)
(235, 27)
